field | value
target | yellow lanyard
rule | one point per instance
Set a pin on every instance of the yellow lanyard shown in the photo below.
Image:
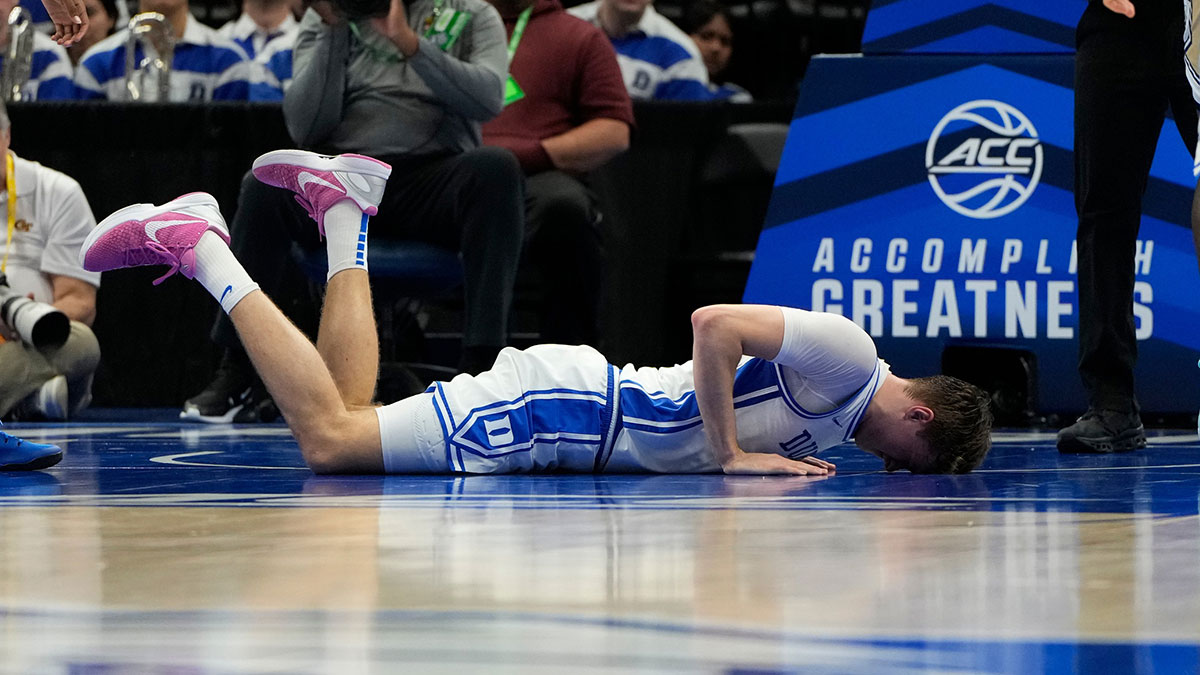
(10, 184)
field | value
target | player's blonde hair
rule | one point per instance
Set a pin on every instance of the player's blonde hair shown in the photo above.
(960, 433)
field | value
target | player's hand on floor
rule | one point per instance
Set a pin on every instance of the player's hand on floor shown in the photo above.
(761, 463)
(820, 463)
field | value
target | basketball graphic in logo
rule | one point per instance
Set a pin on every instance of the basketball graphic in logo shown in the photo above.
(984, 159)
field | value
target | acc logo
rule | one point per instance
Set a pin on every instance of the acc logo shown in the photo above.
(984, 159)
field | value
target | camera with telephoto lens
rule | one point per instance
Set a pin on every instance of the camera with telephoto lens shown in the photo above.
(36, 323)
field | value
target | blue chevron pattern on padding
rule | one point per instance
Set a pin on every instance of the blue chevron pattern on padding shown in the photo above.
(824, 85)
(873, 142)
(919, 25)
(879, 123)
(969, 42)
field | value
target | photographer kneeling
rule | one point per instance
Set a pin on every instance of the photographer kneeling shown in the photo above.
(48, 353)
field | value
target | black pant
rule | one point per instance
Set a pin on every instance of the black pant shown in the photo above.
(1127, 71)
(564, 247)
(470, 202)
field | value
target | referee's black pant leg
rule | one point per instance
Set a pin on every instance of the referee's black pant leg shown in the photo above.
(1120, 101)
(564, 245)
(268, 221)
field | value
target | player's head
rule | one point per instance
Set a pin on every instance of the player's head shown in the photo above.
(960, 433)
(936, 424)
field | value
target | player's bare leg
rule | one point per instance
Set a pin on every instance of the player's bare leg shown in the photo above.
(347, 339)
(189, 234)
(332, 437)
(340, 193)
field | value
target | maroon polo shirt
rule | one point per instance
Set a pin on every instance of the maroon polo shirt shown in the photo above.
(569, 73)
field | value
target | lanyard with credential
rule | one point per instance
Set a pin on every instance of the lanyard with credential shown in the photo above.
(10, 184)
(512, 90)
(518, 31)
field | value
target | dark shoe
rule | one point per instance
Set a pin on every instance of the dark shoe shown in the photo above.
(47, 404)
(235, 395)
(17, 454)
(1103, 431)
(258, 406)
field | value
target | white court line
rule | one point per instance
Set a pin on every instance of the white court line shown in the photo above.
(1091, 468)
(174, 460)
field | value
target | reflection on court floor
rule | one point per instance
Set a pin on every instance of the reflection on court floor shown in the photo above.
(174, 548)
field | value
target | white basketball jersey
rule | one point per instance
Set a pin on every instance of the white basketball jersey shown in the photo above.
(661, 431)
(564, 408)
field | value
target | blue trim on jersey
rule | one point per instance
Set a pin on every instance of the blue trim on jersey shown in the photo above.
(56, 89)
(247, 45)
(654, 49)
(683, 90)
(189, 58)
(101, 64)
(280, 65)
(40, 61)
(445, 432)
(261, 91)
(608, 433)
(807, 414)
(567, 412)
(450, 415)
(873, 382)
(656, 413)
(37, 11)
(795, 406)
(206, 59)
(237, 90)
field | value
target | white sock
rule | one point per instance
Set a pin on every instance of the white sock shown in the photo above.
(220, 272)
(346, 232)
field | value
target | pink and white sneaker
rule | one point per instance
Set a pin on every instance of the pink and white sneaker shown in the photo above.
(320, 181)
(145, 234)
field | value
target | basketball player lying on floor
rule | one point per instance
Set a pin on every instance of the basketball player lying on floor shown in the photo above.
(767, 388)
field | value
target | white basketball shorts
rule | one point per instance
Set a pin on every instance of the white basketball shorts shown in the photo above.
(545, 408)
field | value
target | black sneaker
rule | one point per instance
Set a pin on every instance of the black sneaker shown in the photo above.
(258, 406)
(235, 395)
(1103, 431)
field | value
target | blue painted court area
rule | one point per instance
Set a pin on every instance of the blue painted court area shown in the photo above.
(166, 547)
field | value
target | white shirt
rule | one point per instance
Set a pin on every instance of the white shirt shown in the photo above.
(52, 220)
(206, 66)
(810, 397)
(50, 72)
(658, 60)
(253, 38)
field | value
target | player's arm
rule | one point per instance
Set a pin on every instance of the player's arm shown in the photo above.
(722, 334)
